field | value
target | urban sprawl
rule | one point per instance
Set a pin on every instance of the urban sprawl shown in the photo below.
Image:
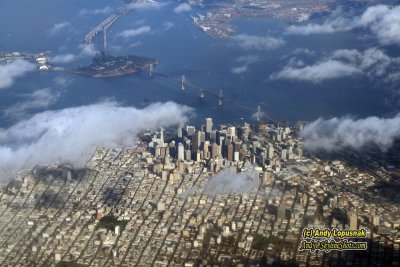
(206, 196)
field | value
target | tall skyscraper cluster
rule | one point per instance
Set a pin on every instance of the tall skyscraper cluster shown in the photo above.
(229, 145)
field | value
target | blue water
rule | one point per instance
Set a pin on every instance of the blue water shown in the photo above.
(182, 49)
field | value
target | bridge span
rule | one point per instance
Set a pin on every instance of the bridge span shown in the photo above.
(104, 25)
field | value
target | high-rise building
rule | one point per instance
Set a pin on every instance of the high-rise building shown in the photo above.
(353, 220)
(117, 230)
(376, 220)
(198, 156)
(232, 131)
(245, 131)
(215, 151)
(188, 155)
(190, 130)
(270, 154)
(172, 149)
(278, 136)
(157, 151)
(206, 153)
(202, 137)
(299, 152)
(181, 152)
(221, 141)
(236, 156)
(290, 153)
(283, 154)
(236, 146)
(180, 130)
(209, 125)
(67, 175)
(281, 213)
(162, 137)
(283, 134)
(266, 177)
(213, 136)
(196, 141)
(262, 158)
(230, 152)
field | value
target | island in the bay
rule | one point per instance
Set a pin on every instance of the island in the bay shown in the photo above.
(106, 65)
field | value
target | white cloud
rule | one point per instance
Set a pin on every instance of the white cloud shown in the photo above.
(257, 42)
(167, 25)
(62, 82)
(88, 50)
(135, 32)
(226, 182)
(239, 70)
(245, 62)
(329, 26)
(66, 58)
(59, 27)
(17, 68)
(330, 69)
(384, 22)
(258, 114)
(184, 7)
(381, 20)
(39, 99)
(339, 133)
(249, 59)
(135, 44)
(71, 135)
(140, 22)
(373, 62)
(303, 51)
(146, 6)
(99, 11)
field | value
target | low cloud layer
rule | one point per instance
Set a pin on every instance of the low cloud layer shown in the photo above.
(184, 7)
(146, 6)
(62, 82)
(246, 41)
(316, 73)
(65, 58)
(381, 20)
(244, 63)
(71, 135)
(9, 72)
(239, 69)
(59, 28)
(135, 32)
(373, 63)
(97, 11)
(226, 182)
(167, 25)
(39, 99)
(340, 133)
(86, 50)
(259, 114)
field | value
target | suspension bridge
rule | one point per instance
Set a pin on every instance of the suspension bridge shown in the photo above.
(185, 85)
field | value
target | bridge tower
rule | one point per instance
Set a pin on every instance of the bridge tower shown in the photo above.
(258, 114)
(105, 38)
(183, 83)
(220, 98)
(202, 95)
(151, 70)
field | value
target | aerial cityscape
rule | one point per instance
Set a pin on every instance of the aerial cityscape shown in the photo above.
(199, 133)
